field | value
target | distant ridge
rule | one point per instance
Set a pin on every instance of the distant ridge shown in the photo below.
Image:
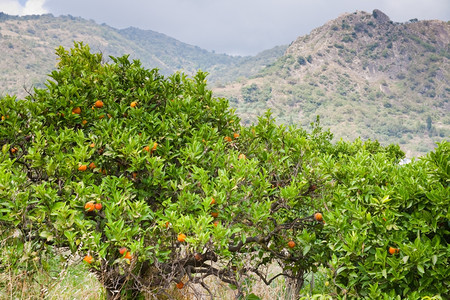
(29, 44)
(365, 75)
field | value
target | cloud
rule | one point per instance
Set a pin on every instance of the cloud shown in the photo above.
(15, 7)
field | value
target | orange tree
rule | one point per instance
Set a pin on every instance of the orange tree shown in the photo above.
(154, 182)
(387, 224)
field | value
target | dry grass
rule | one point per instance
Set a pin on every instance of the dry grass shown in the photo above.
(72, 282)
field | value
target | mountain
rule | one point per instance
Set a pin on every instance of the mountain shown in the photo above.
(28, 45)
(365, 75)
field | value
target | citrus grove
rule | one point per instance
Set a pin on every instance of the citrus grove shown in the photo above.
(156, 186)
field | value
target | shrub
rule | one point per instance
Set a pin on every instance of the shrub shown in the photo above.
(156, 166)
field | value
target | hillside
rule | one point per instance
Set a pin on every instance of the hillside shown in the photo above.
(365, 76)
(28, 45)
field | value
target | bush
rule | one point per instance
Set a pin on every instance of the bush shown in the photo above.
(154, 183)
(184, 190)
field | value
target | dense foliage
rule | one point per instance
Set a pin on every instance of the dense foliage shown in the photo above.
(155, 183)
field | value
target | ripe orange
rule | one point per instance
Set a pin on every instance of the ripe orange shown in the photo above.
(236, 135)
(88, 259)
(84, 122)
(76, 110)
(215, 214)
(181, 237)
(213, 201)
(393, 250)
(147, 148)
(92, 145)
(98, 206)
(216, 223)
(198, 256)
(82, 168)
(128, 255)
(133, 104)
(13, 150)
(167, 224)
(98, 104)
(318, 217)
(89, 206)
(3, 118)
(227, 138)
(180, 285)
(92, 165)
(241, 156)
(154, 146)
(123, 250)
(291, 244)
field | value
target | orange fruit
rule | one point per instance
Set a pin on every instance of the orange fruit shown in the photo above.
(181, 237)
(291, 244)
(235, 135)
(393, 250)
(213, 201)
(98, 104)
(92, 165)
(167, 224)
(98, 206)
(198, 256)
(88, 259)
(123, 250)
(3, 118)
(216, 223)
(227, 138)
(180, 285)
(89, 206)
(82, 168)
(318, 217)
(13, 150)
(92, 145)
(241, 156)
(215, 214)
(128, 255)
(133, 104)
(154, 146)
(76, 110)
(147, 148)
(84, 122)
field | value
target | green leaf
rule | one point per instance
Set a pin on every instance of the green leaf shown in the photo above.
(420, 269)
(434, 259)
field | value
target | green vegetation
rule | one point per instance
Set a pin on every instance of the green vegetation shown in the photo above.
(155, 187)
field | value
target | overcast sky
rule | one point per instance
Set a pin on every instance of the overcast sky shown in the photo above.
(243, 27)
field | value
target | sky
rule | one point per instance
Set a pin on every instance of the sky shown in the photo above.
(236, 27)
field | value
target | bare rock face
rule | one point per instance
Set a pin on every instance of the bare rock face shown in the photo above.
(380, 16)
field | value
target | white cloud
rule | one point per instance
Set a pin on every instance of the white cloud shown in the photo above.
(31, 7)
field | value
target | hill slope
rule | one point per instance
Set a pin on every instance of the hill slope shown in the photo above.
(28, 45)
(365, 76)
